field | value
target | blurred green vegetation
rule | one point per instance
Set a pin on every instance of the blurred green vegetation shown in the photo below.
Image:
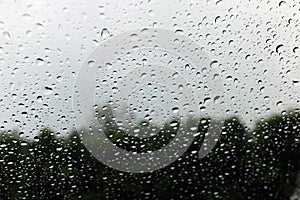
(258, 164)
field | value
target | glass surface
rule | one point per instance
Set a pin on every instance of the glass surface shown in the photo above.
(183, 99)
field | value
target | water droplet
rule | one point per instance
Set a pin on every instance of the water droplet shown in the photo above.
(102, 15)
(295, 82)
(39, 26)
(151, 13)
(214, 64)
(134, 37)
(143, 75)
(179, 32)
(108, 65)
(25, 114)
(29, 33)
(278, 48)
(6, 35)
(295, 49)
(39, 62)
(218, 2)
(40, 99)
(91, 63)
(279, 103)
(175, 110)
(104, 33)
(174, 123)
(48, 90)
(281, 3)
(217, 19)
(217, 99)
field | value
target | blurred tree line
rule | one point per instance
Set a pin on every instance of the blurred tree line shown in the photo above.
(258, 164)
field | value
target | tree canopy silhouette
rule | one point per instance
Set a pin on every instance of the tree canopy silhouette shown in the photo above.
(258, 164)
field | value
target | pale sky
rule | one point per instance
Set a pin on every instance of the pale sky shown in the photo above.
(44, 43)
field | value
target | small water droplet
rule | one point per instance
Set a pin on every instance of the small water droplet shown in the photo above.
(175, 110)
(217, 19)
(91, 63)
(48, 90)
(295, 49)
(29, 33)
(6, 35)
(281, 3)
(143, 75)
(295, 82)
(279, 103)
(133, 37)
(39, 26)
(39, 62)
(278, 48)
(214, 64)
(179, 32)
(104, 33)
(108, 65)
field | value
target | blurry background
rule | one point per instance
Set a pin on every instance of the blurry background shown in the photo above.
(44, 43)
(254, 46)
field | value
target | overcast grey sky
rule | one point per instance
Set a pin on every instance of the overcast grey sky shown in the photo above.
(44, 43)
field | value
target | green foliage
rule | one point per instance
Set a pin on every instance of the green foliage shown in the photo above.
(261, 164)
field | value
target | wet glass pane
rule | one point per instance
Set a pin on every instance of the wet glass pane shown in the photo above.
(183, 99)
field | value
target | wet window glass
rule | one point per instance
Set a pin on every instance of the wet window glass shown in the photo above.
(183, 99)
